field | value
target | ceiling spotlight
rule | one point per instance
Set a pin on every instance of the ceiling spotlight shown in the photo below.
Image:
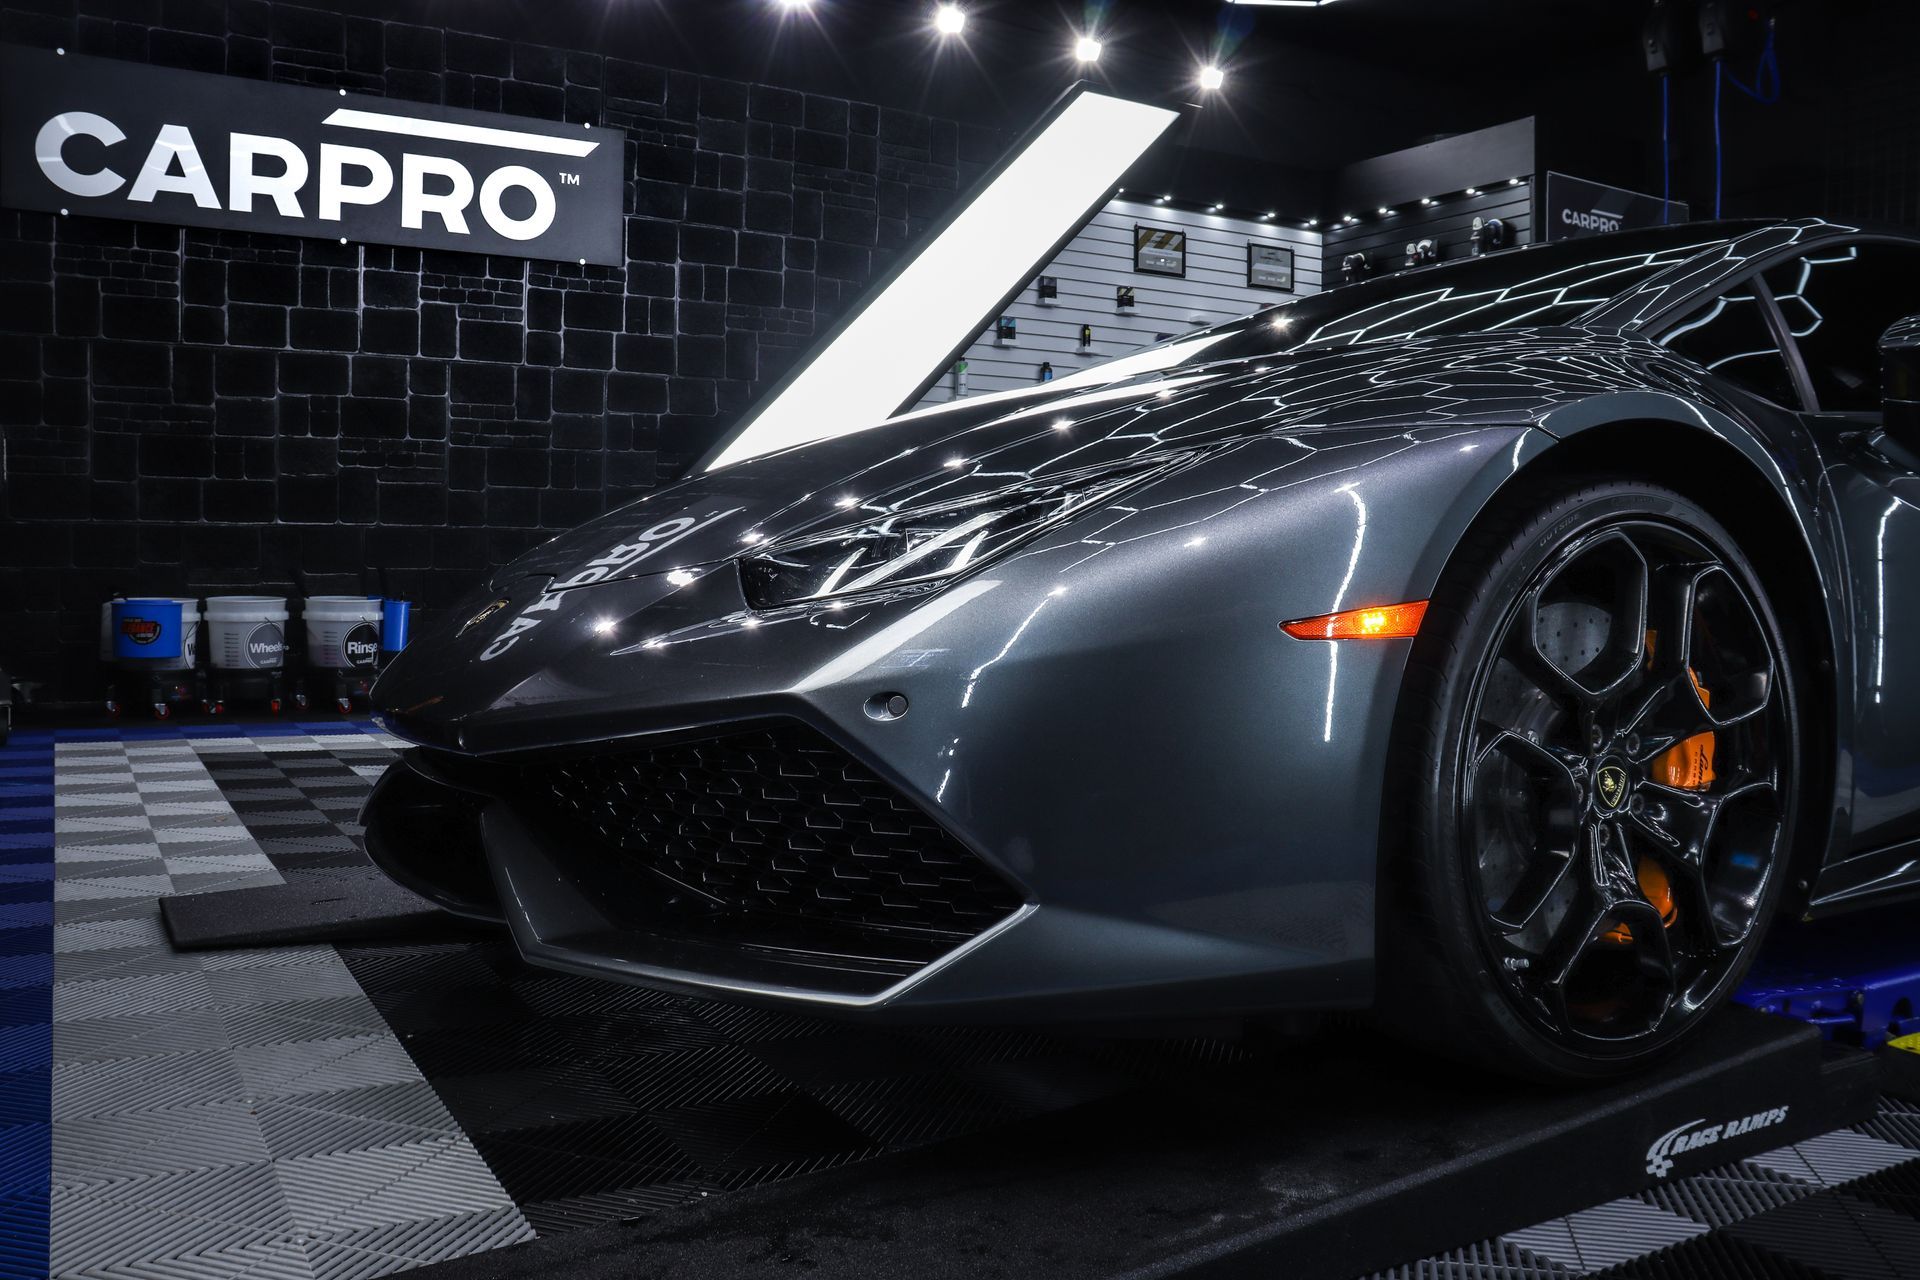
(1426, 200)
(1267, 214)
(1163, 199)
(1086, 49)
(791, 5)
(1212, 77)
(1215, 208)
(1351, 218)
(1473, 191)
(949, 19)
(1384, 211)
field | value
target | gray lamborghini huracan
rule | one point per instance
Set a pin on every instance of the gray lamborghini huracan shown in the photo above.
(1499, 645)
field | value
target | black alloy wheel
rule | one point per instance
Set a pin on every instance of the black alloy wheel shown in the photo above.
(1608, 822)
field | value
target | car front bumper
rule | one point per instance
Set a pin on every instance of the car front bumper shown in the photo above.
(1185, 801)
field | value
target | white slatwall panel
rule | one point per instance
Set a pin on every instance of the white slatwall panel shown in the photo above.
(1100, 259)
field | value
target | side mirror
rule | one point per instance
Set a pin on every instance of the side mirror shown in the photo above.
(1900, 380)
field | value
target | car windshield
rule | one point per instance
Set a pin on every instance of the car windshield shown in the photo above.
(1550, 284)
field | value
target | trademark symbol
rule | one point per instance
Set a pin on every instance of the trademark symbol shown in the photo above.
(569, 179)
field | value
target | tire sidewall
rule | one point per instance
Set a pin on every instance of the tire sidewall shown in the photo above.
(1537, 543)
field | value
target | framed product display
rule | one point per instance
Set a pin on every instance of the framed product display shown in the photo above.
(1269, 266)
(1160, 251)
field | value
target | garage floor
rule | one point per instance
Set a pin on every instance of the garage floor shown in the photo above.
(354, 1111)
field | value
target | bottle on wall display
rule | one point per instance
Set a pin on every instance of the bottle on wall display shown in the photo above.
(1046, 371)
(959, 379)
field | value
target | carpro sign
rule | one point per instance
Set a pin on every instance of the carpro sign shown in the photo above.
(1575, 208)
(123, 140)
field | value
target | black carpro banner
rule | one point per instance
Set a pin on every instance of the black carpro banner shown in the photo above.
(124, 140)
(1575, 207)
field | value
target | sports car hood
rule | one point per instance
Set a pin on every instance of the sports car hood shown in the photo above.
(969, 448)
(515, 651)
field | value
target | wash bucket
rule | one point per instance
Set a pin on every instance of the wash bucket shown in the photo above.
(396, 617)
(343, 632)
(189, 631)
(246, 633)
(151, 634)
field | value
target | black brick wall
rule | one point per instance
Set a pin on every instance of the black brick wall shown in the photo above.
(194, 412)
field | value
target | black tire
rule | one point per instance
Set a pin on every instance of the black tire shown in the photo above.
(1549, 752)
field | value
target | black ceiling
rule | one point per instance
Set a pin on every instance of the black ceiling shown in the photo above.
(1309, 90)
(1306, 86)
(1467, 33)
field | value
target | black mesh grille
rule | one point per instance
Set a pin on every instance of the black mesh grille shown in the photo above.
(781, 822)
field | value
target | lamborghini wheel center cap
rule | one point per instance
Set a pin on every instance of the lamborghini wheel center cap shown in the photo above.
(1610, 787)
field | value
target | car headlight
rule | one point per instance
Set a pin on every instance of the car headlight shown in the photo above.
(926, 544)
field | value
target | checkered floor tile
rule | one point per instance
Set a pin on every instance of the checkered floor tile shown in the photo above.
(232, 1113)
(320, 1111)
(583, 1101)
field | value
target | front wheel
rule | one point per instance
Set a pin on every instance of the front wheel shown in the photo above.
(1602, 729)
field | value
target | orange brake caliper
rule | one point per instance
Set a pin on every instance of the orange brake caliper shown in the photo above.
(1688, 766)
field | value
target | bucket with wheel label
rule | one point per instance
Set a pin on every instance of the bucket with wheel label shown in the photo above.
(189, 631)
(246, 633)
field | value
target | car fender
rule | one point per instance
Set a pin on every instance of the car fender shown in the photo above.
(1787, 460)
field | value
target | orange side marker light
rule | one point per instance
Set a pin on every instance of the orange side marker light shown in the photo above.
(1381, 622)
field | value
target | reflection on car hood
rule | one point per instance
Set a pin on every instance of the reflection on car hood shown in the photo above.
(958, 451)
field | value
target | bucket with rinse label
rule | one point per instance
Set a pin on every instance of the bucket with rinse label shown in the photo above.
(246, 633)
(343, 633)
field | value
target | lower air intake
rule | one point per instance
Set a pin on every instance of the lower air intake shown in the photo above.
(782, 826)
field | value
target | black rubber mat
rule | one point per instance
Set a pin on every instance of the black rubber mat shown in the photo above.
(1335, 1158)
(347, 904)
(1900, 1073)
